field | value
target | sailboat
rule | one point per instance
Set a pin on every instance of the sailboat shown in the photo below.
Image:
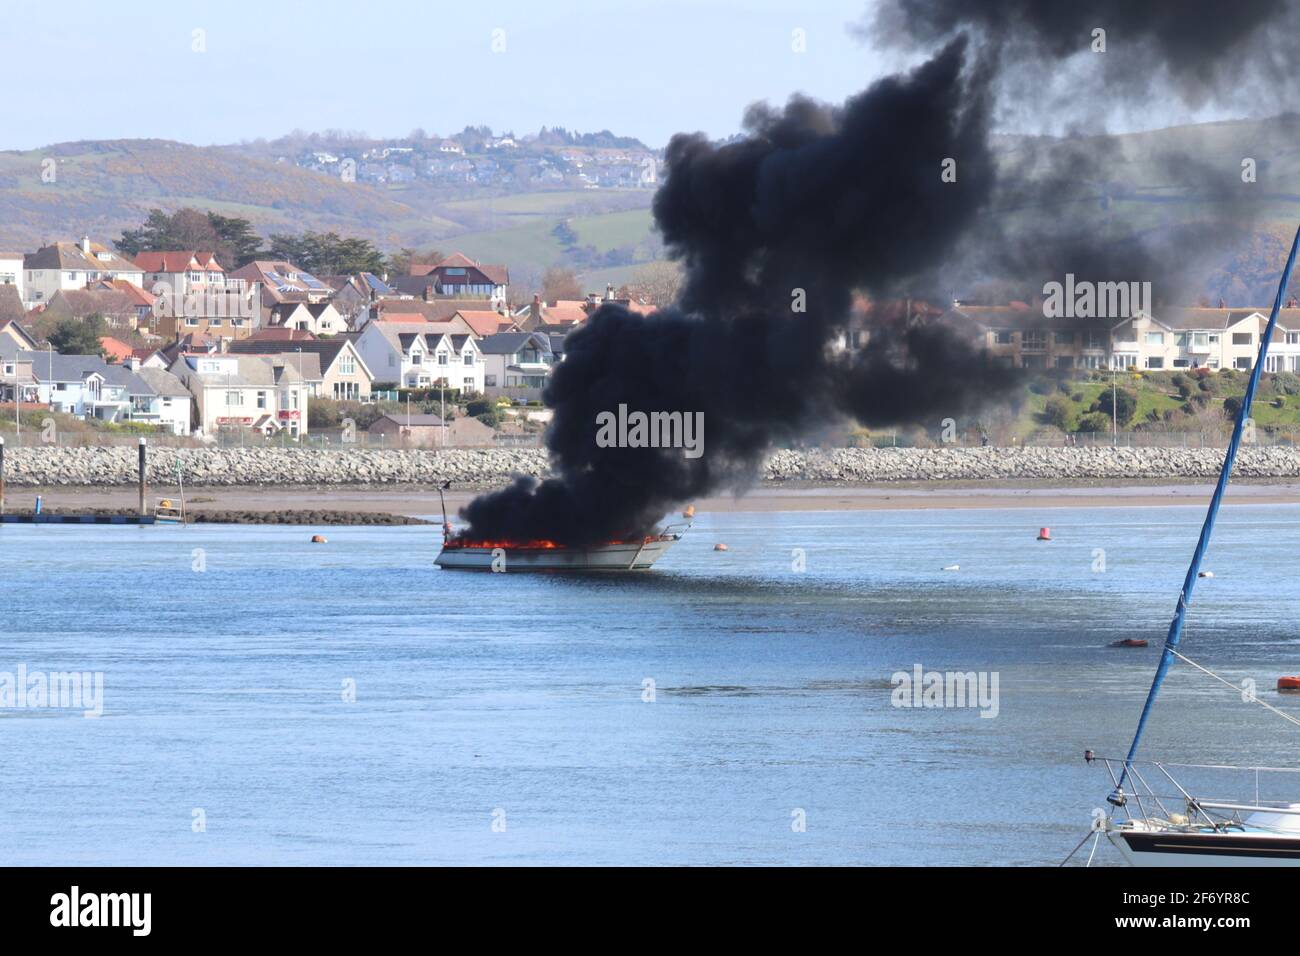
(1158, 820)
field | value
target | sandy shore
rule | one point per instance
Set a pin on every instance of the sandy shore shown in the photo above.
(406, 500)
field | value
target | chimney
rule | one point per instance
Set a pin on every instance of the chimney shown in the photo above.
(133, 363)
(609, 292)
(85, 244)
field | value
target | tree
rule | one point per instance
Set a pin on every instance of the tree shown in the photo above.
(560, 283)
(400, 262)
(232, 239)
(1057, 412)
(79, 336)
(1125, 405)
(328, 253)
(657, 283)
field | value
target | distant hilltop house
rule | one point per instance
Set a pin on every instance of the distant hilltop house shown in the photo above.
(70, 266)
(1021, 336)
(457, 276)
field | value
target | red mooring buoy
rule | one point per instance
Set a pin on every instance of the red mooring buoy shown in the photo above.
(1288, 683)
(1044, 534)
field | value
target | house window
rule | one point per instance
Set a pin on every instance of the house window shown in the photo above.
(469, 358)
(415, 358)
(261, 399)
(1033, 340)
(1094, 340)
(490, 381)
(1065, 361)
(1243, 338)
(234, 398)
(1199, 340)
(442, 358)
(1243, 362)
(1155, 361)
(1180, 363)
(467, 384)
(1155, 338)
(1063, 338)
(347, 365)
(1002, 337)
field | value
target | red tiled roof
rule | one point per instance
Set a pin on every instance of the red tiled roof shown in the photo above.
(179, 261)
(115, 349)
(484, 322)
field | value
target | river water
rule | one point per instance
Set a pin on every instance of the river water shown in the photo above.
(267, 700)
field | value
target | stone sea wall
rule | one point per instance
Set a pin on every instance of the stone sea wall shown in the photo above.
(51, 466)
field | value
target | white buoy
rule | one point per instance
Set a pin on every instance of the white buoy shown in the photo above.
(952, 567)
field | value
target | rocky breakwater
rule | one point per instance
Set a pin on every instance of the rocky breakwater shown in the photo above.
(867, 465)
(479, 468)
(214, 467)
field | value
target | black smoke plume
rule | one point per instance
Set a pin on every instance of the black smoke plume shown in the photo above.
(812, 205)
(815, 203)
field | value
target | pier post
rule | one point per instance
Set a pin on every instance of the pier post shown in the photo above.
(2, 476)
(143, 486)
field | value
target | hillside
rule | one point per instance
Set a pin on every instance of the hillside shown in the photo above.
(509, 205)
(101, 188)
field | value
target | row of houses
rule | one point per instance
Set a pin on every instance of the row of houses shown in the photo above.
(183, 393)
(1177, 338)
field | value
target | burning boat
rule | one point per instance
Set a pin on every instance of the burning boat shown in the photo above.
(633, 554)
(637, 554)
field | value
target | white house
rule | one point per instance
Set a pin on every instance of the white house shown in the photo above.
(244, 391)
(170, 405)
(422, 354)
(318, 318)
(11, 271)
(86, 386)
(517, 364)
(70, 266)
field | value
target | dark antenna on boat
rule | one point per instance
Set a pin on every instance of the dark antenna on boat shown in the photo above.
(446, 528)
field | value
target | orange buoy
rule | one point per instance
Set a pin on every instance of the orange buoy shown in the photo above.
(688, 511)
(719, 547)
(1288, 683)
(1044, 534)
(318, 539)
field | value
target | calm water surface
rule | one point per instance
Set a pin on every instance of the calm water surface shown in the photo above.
(521, 695)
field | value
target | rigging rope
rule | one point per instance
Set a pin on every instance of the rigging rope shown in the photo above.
(1251, 699)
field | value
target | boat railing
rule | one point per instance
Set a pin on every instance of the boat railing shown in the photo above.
(671, 529)
(1151, 790)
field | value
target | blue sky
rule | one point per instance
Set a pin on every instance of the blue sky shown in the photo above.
(93, 70)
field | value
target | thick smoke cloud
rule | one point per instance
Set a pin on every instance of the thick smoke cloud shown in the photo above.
(830, 201)
(815, 203)
(1100, 206)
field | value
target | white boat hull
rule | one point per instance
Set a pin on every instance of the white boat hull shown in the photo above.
(625, 556)
(1153, 847)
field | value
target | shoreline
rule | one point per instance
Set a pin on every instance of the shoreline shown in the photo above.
(381, 504)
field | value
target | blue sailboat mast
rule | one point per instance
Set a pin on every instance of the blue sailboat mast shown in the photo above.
(1189, 583)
